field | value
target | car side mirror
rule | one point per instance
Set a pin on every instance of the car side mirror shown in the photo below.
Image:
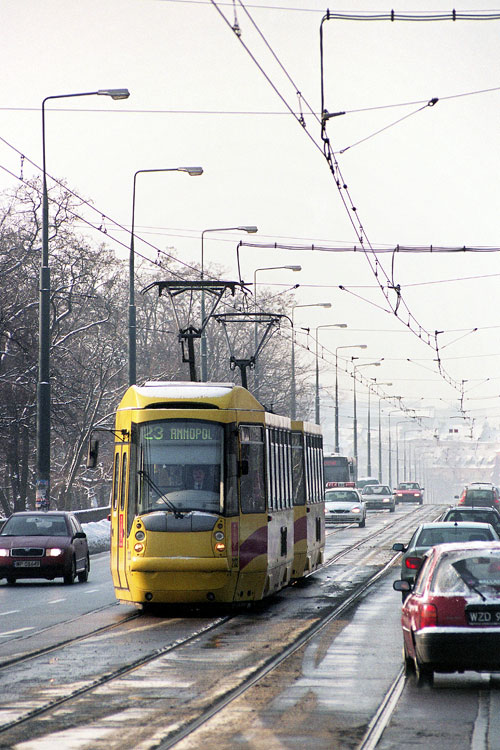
(456, 497)
(401, 585)
(80, 535)
(92, 454)
(399, 547)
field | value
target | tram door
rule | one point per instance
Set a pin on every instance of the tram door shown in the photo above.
(119, 519)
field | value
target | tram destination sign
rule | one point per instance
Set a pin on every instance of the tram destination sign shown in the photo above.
(171, 432)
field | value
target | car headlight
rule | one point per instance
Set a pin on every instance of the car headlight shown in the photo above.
(4, 552)
(53, 552)
(356, 510)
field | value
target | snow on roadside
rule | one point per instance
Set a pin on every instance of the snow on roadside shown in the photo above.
(98, 535)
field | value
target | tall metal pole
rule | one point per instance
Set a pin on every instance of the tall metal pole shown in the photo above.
(132, 324)
(203, 342)
(43, 396)
(368, 439)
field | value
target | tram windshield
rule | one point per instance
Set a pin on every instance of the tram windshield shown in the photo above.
(180, 466)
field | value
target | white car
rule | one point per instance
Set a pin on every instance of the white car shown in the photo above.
(344, 505)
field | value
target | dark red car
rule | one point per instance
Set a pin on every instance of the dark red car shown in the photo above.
(451, 618)
(409, 492)
(43, 545)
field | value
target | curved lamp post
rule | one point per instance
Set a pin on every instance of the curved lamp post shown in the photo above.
(132, 329)
(355, 420)
(256, 342)
(203, 343)
(347, 346)
(294, 390)
(369, 444)
(43, 384)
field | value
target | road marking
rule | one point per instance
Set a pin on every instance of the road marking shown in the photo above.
(13, 632)
(91, 591)
(56, 601)
(10, 612)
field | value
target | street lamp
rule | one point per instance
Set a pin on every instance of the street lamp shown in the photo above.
(355, 421)
(383, 398)
(132, 329)
(348, 346)
(256, 342)
(369, 443)
(43, 384)
(294, 391)
(327, 325)
(394, 411)
(203, 343)
(404, 421)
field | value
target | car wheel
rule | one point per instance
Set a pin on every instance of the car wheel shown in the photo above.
(69, 577)
(424, 675)
(362, 523)
(392, 509)
(84, 574)
(11, 580)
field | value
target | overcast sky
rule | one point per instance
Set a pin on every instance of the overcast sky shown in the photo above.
(198, 98)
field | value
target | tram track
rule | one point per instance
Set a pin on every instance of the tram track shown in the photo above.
(254, 674)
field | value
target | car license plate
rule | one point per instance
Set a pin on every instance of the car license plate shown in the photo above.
(483, 615)
(27, 564)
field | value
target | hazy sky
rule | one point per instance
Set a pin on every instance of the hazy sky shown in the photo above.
(198, 98)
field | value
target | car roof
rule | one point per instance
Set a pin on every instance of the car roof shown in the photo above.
(43, 513)
(440, 549)
(450, 524)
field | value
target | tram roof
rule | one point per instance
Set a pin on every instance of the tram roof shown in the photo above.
(222, 395)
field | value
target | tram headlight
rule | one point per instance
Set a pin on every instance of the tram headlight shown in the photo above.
(140, 535)
(138, 547)
(220, 547)
(219, 536)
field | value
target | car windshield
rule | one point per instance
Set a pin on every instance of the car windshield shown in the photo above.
(462, 533)
(35, 526)
(479, 496)
(343, 497)
(464, 572)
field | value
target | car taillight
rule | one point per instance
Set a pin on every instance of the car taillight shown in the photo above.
(461, 501)
(413, 563)
(428, 616)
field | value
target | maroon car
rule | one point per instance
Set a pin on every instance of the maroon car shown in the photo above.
(451, 618)
(409, 492)
(43, 545)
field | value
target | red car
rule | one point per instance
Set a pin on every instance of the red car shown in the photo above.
(43, 545)
(451, 618)
(409, 492)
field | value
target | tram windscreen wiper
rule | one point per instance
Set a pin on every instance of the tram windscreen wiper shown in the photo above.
(161, 495)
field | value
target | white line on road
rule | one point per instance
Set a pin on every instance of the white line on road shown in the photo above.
(13, 632)
(10, 612)
(56, 601)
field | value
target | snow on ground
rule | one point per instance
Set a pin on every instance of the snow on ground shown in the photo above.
(98, 535)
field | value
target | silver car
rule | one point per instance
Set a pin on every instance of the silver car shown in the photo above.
(379, 496)
(344, 505)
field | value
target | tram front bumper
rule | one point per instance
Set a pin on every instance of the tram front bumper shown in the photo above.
(179, 564)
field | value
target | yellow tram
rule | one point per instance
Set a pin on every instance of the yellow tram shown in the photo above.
(213, 499)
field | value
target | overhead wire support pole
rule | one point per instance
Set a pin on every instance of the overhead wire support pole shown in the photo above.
(189, 332)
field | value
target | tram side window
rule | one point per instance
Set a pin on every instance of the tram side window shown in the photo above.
(116, 479)
(124, 481)
(299, 495)
(252, 493)
(231, 460)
